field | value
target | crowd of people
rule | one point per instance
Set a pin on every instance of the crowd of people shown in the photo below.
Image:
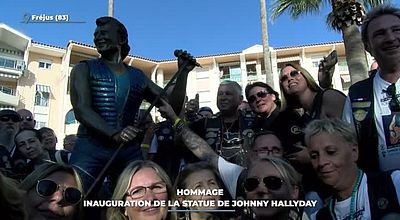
(310, 143)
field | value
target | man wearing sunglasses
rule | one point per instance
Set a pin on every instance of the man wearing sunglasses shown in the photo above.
(106, 95)
(28, 122)
(9, 126)
(373, 103)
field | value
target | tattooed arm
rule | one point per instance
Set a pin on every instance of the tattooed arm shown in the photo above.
(198, 146)
(193, 142)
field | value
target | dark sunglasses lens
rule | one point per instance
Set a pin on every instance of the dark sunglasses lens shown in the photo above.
(72, 195)
(294, 73)
(262, 94)
(28, 118)
(15, 119)
(46, 188)
(284, 78)
(273, 183)
(252, 99)
(7, 118)
(251, 184)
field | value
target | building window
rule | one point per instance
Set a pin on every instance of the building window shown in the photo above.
(68, 84)
(40, 124)
(233, 73)
(202, 73)
(42, 95)
(205, 97)
(45, 64)
(342, 64)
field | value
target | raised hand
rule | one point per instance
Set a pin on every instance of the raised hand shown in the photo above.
(192, 106)
(166, 111)
(185, 60)
(326, 69)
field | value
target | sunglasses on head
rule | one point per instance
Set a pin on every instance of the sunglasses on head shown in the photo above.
(46, 188)
(8, 118)
(260, 94)
(27, 118)
(271, 182)
(292, 74)
(394, 103)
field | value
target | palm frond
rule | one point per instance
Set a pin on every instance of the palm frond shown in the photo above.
(369, 4)
(295, 8)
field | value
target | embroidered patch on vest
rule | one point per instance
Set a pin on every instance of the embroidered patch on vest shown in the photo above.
(382, 203)
(295, 129)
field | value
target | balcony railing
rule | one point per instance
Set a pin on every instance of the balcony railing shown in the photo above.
(12, 64)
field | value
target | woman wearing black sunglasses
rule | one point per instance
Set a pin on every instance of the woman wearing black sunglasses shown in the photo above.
(264, 102)
(272, 178)
(53, 191)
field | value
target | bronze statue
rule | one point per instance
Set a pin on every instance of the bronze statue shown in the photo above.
(106, 95)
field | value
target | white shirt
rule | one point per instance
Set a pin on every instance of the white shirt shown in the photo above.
(229, 173)
(363, 212)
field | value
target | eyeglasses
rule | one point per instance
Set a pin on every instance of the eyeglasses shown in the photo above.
(271, 182)
(13, 118)
(27, 118)
(394, 103)
(46, 188)
(140, 192)
(292, 74)
(260, 94)
(265, 149)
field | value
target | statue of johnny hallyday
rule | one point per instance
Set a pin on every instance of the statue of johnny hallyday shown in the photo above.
(106, 95)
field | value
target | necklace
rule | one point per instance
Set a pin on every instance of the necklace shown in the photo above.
(353, 202)
(227, 128)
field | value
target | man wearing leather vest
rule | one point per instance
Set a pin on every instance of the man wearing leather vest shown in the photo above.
(373, 104)
(229, 132)
(106, 95)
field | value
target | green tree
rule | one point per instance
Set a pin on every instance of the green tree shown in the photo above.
(346, 16)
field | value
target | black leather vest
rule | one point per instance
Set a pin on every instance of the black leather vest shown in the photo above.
(362, 103)
(233, 148)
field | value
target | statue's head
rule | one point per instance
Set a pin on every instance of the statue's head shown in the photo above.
(109, 34)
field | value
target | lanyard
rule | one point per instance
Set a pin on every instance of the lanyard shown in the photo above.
(353, 203)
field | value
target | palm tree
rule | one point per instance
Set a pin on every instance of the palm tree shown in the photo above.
(346, 16)
(267, 56)
(111, 8)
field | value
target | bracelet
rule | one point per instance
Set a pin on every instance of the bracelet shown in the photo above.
(179, 127)
(177, 120)
(144, 145)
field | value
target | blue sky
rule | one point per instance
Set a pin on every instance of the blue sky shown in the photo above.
(158, 27)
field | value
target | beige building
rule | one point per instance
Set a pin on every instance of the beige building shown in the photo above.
(35, 76)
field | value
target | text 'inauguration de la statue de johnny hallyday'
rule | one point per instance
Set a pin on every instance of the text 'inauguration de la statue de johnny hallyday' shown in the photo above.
(204, 203)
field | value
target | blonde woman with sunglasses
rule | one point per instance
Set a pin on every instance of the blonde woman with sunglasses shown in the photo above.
(53, 191)
(272, 178)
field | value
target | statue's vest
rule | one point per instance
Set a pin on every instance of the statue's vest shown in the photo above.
(103, 91)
